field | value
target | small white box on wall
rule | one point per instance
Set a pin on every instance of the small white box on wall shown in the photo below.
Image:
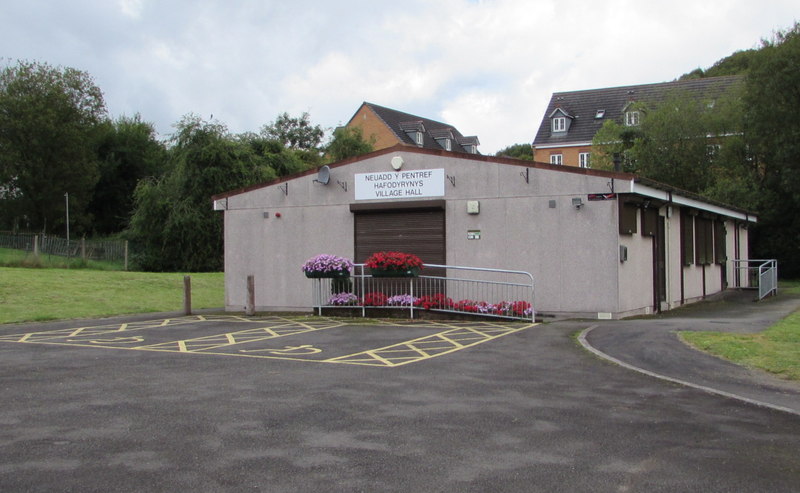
(473, 207)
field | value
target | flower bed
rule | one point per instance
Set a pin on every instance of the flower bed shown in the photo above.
(438, 301)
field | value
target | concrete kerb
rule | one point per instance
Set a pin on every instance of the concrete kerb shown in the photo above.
(585, 344)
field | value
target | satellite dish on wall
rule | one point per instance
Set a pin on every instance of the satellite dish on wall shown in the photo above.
(324, 175)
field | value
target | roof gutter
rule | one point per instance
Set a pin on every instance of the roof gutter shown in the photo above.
(676, 198)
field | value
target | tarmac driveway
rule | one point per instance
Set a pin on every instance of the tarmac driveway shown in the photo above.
(516, 408)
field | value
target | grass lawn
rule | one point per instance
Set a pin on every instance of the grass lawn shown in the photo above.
(776, 350)
(51, 294)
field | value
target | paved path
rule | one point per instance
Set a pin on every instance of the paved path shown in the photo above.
(651, 345)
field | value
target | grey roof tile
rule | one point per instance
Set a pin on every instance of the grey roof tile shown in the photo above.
(584, 107)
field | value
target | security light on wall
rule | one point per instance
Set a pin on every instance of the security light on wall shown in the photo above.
(577, 202)
(397, 163)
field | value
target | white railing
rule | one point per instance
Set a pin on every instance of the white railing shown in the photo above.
(756, 274)
(440, 288)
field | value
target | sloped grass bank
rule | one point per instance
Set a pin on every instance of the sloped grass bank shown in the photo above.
(776, 350)
(52, 294)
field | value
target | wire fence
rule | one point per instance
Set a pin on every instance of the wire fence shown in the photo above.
(101, 250)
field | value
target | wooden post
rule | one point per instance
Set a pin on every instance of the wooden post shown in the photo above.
(36, 246)
(187, 295)
(250, 308)
(126, 254)
(83, 249)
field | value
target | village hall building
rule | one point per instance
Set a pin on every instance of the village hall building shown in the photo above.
(598, 244)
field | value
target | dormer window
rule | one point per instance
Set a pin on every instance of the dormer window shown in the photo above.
(469, 144)
(600, 114)
(631, 118)
(414, 130)
(445, 143)
(559, 124)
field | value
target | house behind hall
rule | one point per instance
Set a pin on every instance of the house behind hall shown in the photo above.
(572, 118)
(391, 127)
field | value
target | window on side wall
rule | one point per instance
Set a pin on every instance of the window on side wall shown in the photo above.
(556, 159)
(560, 124)
(583, 159)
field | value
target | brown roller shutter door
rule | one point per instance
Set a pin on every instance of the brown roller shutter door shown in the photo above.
(421, 232)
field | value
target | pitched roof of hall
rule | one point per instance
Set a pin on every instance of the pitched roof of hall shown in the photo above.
(399, 121)
(584, 106)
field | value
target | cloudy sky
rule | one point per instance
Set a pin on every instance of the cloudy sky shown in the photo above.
(487, 67)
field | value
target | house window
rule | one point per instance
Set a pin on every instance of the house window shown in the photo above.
(559, 124)
(583, 159)
(418, 138)
(600, 114)
(445, 143)
(631, 118)
(556, 159)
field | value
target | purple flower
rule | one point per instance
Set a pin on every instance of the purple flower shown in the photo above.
(343, 299)
(401, 300)
(327, 263)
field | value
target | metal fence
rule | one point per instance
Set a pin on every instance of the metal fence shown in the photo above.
(473, 290)
(756, 274)
(115, 251)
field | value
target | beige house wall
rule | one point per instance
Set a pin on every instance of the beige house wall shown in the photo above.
(373, 127)
(569, 154)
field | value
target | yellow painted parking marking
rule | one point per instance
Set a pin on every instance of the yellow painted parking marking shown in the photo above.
(455, 336)
(427, 347)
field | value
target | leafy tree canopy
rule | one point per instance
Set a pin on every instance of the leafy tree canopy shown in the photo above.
(348, 142)
(128, 151)
(50, 118)
(294, 132)
(518, 151)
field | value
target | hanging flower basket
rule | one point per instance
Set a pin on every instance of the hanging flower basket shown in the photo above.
(394, 264)
(327, 267)
(410, 272)
(340, 274)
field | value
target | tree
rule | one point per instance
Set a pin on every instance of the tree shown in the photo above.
(680, 141)
(294, 133)
(173, 227)
(772, 126)
(49, 121)
(518, 151)
(128, 151)
(348, 142)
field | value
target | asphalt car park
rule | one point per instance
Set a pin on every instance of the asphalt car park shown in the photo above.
(223, 403)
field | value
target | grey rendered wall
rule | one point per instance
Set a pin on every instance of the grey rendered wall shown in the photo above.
(572, 253)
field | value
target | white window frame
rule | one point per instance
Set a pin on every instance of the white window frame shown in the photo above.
(584, 159)
(418, 138)
(557, 159)
(560, 124)
(632, 118)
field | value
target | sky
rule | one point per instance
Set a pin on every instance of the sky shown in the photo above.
(487, 67)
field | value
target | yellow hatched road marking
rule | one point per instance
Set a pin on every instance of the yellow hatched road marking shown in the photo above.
(459, 335)
(382, 356)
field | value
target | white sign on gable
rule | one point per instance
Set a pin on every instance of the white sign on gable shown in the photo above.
(400, 184)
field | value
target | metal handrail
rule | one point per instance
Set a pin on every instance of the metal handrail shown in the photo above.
(520, 306)
(760, 274)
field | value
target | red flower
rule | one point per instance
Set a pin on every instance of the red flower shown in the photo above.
(375, 299)
(393, 260)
